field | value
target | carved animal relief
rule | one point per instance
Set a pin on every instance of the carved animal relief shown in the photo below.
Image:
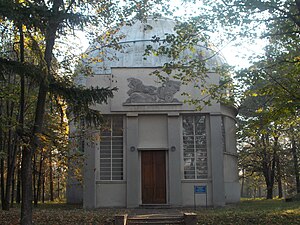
(140, 93)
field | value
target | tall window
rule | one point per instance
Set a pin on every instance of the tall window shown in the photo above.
(111, 149)
(194, 147)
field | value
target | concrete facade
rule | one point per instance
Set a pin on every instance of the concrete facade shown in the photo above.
(154, 115)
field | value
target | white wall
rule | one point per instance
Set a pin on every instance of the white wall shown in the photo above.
(111, 194)
(153, 131)
(188, 193)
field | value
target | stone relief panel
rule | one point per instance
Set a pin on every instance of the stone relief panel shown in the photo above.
(140, 93)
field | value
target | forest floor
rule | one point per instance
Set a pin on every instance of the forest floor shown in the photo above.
(246, 212)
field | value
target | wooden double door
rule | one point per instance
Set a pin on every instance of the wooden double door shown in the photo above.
(153, 177)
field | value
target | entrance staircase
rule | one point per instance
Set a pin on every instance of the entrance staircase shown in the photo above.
(157, 219)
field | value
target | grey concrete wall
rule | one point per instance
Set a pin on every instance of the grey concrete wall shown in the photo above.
(232, 192)
(74, 189)
(89, 175)
(167, 136)
(188, 193)
(230, 134)
(111, 194)
(101, 81)
(132, 163)
(231, 179)
(230, 168)
(119, 79)
(153, 131)
(174, 162)
(74, 193)
(217, 163)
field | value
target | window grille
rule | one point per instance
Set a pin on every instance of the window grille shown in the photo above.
(194, 147)
(111, 148)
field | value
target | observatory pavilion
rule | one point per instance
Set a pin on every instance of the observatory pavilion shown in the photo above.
(154, 149)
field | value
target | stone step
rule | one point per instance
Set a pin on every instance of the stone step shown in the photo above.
(155, 223)
(156, 219)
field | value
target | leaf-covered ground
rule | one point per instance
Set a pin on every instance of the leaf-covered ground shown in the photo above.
(253, 212)
(247, 212)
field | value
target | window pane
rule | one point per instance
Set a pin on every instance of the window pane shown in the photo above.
(200, 125)
(117, 154)
(117, 140)
(194, 147)
(117, 126)
(188, 154)
(201, 154)
(202, 176)
(188, 140)
(105, 162)
(111, 149)
(200, 142)
(105, 140)
(189, 164)
(104, 175)
(106, 127)
(201, 163)
(117, 162)
(188, 128)
(117, 176)
(189, 174)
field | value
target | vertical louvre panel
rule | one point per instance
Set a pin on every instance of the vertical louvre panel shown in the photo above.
(194, 147)
(111, 149)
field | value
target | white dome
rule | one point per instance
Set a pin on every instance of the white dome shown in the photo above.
(134, 41)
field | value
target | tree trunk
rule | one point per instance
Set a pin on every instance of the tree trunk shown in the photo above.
(51, 177)
(1, 161)
(58, 186)
(21, 111)
(10, 155)
(12, 189)
(11, 173)
(34, 181)
(277, 166)
(18, 196)
(296, 165)
(26, 173)
(279, 178)
(243, 182)
(268, 166)
(2, 181)
(50, 35)
(43, 188)
(269, 191)
(40, 177)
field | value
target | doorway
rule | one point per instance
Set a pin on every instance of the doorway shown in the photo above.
(153, 165)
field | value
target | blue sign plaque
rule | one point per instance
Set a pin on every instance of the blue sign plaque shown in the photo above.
(200, 189)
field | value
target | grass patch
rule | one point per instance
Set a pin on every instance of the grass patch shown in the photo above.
(253, 212)
(246, 212)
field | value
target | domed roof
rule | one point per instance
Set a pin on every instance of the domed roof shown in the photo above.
(134, 40)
